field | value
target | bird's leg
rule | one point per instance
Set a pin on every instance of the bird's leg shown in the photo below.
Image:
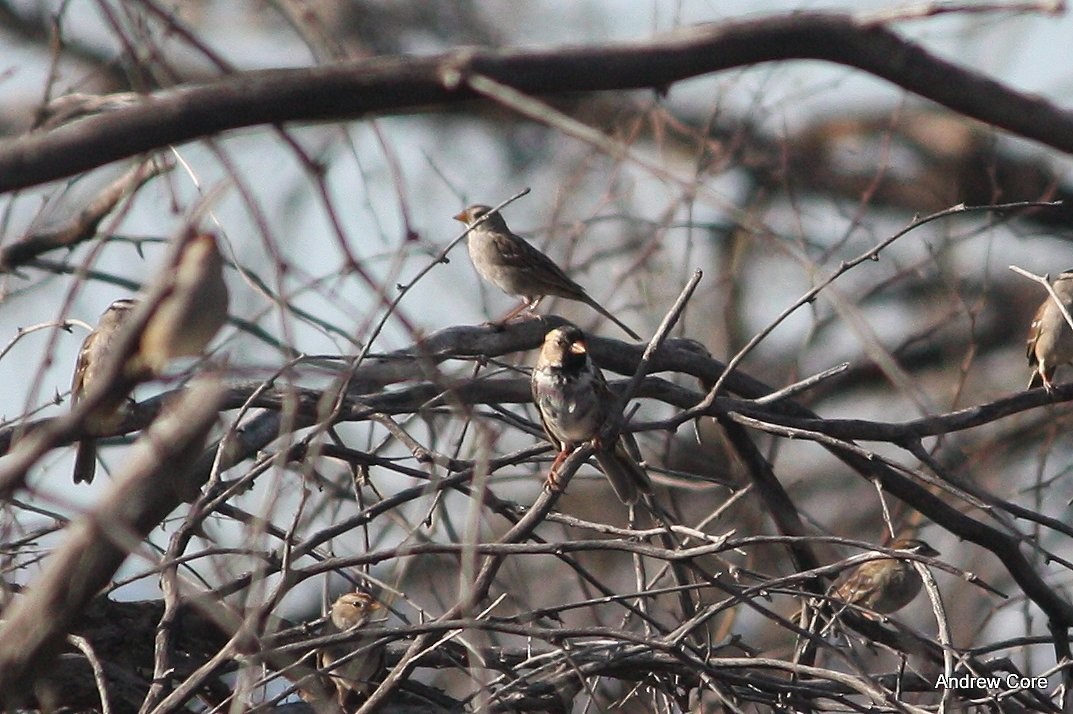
(528, 305)
(552, 482)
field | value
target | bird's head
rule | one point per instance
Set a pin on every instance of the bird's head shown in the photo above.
(353, 610)
(474, 214)
(565, 347)
(914, 546)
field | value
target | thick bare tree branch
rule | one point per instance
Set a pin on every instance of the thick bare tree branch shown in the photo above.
(399, 85)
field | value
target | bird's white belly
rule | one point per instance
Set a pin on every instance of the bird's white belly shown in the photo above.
(577, 424)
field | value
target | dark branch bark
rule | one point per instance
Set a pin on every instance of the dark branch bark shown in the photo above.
(471, 342)
(36, 624)
(398, 85)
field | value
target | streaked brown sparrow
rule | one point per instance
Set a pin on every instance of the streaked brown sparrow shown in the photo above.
(514, 266)
(96, 348)
(573, 399)
(192, 311)
(353, 677)
(887, 584)
(1050, 340)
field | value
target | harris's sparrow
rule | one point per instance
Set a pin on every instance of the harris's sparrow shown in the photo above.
(573, 399)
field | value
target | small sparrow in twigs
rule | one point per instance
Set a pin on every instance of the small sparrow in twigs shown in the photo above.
(517, 268)
(573, 399)
(353, 677)
(1050, 339)
(887, 584)
(188, 315)
(96, 348)
(192, 311)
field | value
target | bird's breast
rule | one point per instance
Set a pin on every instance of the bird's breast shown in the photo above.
(488, 262)
(570, 407)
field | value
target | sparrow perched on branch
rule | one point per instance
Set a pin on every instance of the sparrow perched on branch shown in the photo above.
(574, 402)
(353, 677)
(96, 348)
(191, 311)
(517, 268)
(1050, 339)
(887, 584)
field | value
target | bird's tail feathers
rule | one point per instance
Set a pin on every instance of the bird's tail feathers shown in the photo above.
(600, 309)
(85, 461)
(627, 477)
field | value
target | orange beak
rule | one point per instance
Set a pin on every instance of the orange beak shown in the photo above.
(462, 217)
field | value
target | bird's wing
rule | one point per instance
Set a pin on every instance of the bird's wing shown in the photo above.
(541, 391)
(78, 381)
(517, 252)
(1033, 335)
(859, 586)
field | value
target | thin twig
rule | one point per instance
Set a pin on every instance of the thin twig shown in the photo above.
(1044, 280)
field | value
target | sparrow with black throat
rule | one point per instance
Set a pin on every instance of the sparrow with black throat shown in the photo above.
(574, 403)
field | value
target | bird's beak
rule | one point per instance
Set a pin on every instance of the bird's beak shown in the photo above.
(578, 348)
(462, 217)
